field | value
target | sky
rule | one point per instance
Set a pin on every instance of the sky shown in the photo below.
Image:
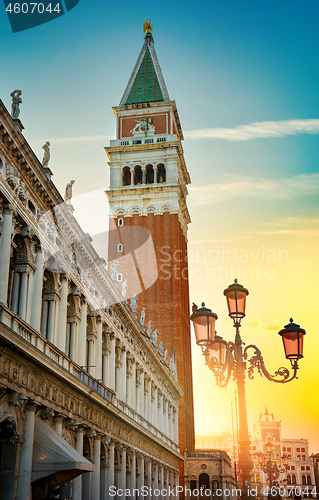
(245, 79)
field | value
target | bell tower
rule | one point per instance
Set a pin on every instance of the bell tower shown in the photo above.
(148, 190)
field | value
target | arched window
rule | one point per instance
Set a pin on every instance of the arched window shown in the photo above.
(303, 479)
(138, 176)
(126, 176)
(193, 484)
(289, 479)
(294, 481)
(309, 480)
(204, 481)
(161, 173)
(120, 222)
(149, 174)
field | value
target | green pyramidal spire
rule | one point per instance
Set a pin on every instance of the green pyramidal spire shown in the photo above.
(146, 83)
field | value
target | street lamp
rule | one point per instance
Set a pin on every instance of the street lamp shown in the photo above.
(271, 468)
(230, 358)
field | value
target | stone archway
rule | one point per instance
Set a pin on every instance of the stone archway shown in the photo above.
(8, 456)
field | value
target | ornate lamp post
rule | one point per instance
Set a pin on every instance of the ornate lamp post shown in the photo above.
(271, 468)
(230, 358)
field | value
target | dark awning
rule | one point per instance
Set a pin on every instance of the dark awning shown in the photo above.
(52, 454)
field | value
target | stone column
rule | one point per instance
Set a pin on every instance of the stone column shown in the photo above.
(58, 424)
(161, 485)
(144, 175)
(110, 472)
(105, 365)
(5, 247)
(170, 422)
(15, 292)
(82, 334)
(123, 376)
(98, 349)
(103, 481)
(24, 482)
(73, 340)
(112, 362)
(140, 481)
(35, 314)
(61, 328)
(154, 407)
(149, 400)
(155, 482)
(133, 474)
(77, 482)
(149, 478)
(167, 482)
(44, 317)
(91, 354)
(97, 468)
(176, 483)
(122, 484)
(155, 175)
(160, 411)
(132, 176)
(175, 426)
(51, 318)
(29, 304)
(141, 393)
(133, 385)
(23, 294)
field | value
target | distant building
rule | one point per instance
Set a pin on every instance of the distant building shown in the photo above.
(300, 469)
(209, 474)
(215, 440)
(315, 459)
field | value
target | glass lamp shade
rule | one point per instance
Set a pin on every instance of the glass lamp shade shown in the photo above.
(284, 459)
(292, 337)
(217, 350)
(269, 447)
(204, 325)
(236, 300)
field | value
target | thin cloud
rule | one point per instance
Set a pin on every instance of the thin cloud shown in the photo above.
(281, 189)
(78, 140)
(257, 130)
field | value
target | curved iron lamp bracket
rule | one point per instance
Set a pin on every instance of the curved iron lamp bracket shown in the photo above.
(256, 361)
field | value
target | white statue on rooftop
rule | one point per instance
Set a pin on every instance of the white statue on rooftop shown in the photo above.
(155, 335)
(134, 300)
(142, 318)
(16, 101)
(68, 192)
(149, 328)
(124, 286)
(161, 348)
(46, 155)
(115, 264)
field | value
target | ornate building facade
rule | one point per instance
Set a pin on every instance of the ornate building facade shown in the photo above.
(147, 195)
(300, 470)
(86, 399)
(209, 474)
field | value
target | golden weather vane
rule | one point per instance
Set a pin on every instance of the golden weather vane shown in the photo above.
(147, 26)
